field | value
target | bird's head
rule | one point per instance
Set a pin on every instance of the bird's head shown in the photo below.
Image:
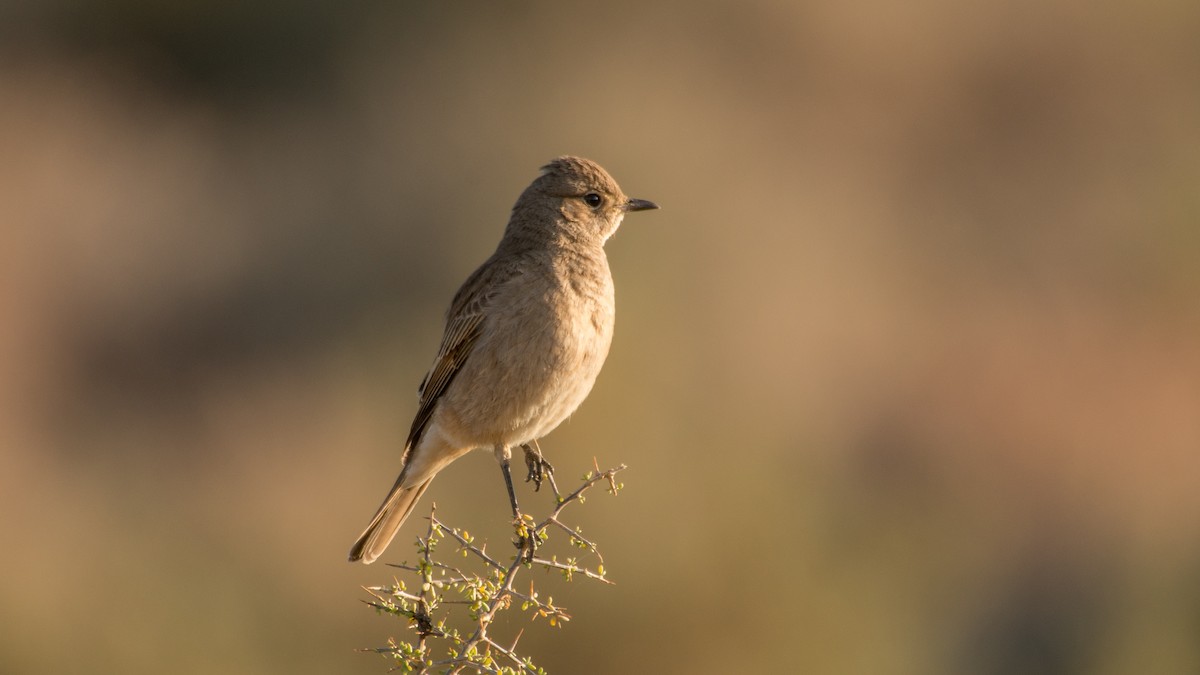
(588, 200)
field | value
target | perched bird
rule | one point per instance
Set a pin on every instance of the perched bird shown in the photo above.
(525, 338)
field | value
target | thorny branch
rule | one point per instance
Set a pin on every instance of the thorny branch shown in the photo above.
(485, 593)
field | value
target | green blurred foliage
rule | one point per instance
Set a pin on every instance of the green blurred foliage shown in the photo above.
(907, 369)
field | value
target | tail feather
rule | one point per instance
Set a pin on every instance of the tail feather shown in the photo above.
(391, 515)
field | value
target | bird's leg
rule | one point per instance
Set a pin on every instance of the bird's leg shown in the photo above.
(526, 538)
(503, 455)
(539, 468)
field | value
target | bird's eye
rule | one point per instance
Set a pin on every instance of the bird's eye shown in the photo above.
(593, 200)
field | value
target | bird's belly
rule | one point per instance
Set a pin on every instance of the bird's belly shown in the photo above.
(527, 378)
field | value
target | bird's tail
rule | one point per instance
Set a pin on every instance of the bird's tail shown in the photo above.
(391, 515)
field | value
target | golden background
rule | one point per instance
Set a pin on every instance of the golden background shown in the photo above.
(907, 368)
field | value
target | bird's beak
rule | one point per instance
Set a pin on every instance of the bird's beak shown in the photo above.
(640, 205)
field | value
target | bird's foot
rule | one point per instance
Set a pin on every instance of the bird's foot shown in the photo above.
(528, 537)
(425, 625)
(539, 468)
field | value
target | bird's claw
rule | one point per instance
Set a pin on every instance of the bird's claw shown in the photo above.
(528, 538)
(539, 468)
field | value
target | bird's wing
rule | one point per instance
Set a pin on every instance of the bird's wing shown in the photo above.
(463, 326)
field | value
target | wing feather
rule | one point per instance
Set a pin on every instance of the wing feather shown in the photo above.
(463, 326)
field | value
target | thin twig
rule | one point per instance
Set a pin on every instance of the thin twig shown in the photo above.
(485, 594)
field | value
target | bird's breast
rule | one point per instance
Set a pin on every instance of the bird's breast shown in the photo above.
(543, 344)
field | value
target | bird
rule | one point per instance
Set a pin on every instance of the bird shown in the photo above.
(525, 337)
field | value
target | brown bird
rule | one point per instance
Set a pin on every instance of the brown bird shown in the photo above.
(525, 338)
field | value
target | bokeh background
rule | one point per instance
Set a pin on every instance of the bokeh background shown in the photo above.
(907, 368)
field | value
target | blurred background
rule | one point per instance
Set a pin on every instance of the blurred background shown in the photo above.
(907, 368)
